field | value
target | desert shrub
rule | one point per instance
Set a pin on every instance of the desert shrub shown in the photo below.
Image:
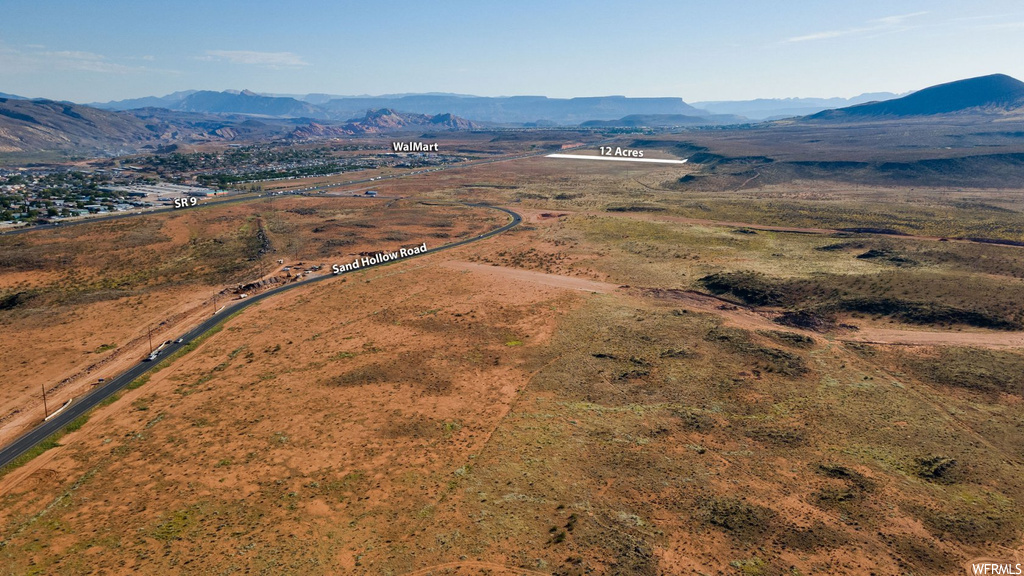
(768, 359)
(788, 338)
(972, 368)
(746, 522)
(750, 287)
(939, 469)
(925, 313)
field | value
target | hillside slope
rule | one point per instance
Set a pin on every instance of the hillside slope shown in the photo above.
(993, 94)
(32, 125)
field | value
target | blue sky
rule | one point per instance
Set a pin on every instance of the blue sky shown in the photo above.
(723, 50)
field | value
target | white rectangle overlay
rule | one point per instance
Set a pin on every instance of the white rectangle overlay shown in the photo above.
(614, 158)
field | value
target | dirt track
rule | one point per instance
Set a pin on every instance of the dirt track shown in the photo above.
(535, 216)
(553, 280)
(481, 567)
(937, 338)
(538, 216)
(750, 319)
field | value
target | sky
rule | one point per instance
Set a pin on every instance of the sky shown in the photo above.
(95, 51)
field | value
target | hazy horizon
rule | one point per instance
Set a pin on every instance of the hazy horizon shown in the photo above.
(740, 50)
(463, 95)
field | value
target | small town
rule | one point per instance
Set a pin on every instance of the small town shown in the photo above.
(50, 194)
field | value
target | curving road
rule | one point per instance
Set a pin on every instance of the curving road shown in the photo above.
(107, 389)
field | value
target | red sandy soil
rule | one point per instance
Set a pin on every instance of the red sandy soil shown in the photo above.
(364, 474)
(379, 423)
(450, 330)
(471, 567)
(541, 216)
(22, 404)
(991, 339)
(553, 280)
(64, 355)
(743, 317)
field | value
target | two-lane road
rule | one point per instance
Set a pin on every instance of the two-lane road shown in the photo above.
(107, 389)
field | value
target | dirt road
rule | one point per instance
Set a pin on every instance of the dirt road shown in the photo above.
(750, 319)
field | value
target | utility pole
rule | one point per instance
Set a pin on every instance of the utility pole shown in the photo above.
(150, 339)
(46, 411)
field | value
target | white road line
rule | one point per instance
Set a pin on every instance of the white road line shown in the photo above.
(614, 158)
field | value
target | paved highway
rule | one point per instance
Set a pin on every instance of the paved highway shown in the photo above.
(107, 389)
(104, 391)
(250, 197)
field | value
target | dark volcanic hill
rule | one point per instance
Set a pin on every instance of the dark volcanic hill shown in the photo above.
(993, 94)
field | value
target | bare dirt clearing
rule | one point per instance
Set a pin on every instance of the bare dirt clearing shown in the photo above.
(935, 338)
(553, 280)
(388, 424)
(105, 286)
(509, 408)
(749, 319)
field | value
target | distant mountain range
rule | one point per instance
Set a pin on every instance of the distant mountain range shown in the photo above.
(28, 126)
(606, 111)
(44, 125)
(168, 102)
(227, 102)
(518, 109)
(540, 110)
(776, 108)
(996, 94)
(497, 110)
(665, 121)
(200, 116)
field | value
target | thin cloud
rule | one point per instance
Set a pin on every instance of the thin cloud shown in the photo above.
(979, 17)
(1003, 26)
(886, 24)
(897, 20)
(254, 58)
(85, 61)
(822, 35)
(32, 59)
